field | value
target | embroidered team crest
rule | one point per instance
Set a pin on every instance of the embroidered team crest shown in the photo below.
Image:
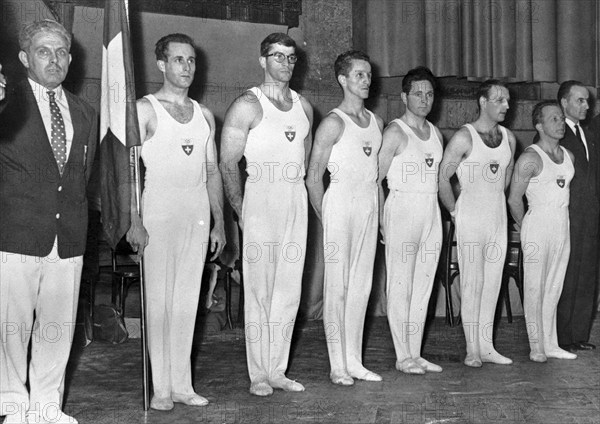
(494, 166)
(367, 148)
(429, 159)
(187, 145)
(290, 133)
(560, 180)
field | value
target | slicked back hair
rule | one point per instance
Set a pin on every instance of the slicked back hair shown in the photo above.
(537, 115)
(47, 25)
(565, 89)
(484, 88)
(162, 45)
(343, 63)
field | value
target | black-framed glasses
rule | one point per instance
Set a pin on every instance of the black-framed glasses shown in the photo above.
(280, 57)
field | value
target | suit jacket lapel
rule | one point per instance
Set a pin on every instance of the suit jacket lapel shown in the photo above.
(76, 119)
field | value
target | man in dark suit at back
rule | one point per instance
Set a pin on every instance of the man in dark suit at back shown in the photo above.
(47, 144)
(576, 304)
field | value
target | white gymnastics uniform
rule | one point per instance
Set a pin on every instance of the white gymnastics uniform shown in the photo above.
(413, 238)
(481, 233)
(176, 214)
(275, 215)
(546, 247)
(350, 223)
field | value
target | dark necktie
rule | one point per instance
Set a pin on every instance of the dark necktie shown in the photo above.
(578, 134)
(58, 136)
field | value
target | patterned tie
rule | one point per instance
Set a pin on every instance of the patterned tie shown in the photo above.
(58, 137)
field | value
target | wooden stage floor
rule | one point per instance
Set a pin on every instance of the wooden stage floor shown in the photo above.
(104, 382)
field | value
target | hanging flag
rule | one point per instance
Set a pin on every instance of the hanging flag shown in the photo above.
(118, 122)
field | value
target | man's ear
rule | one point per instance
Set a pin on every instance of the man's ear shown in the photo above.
(24, 59)
(161, 65)
(482, 101)
(341, 79)
(263, 62)
(563, 103)
(404, 98)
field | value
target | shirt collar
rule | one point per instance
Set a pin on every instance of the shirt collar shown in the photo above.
(571, 124)
(41, 93)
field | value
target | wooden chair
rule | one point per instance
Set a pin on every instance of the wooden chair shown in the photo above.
(448, 270)
(125, 272)
(513, 268)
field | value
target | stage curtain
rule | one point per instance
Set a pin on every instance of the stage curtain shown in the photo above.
(517, 40)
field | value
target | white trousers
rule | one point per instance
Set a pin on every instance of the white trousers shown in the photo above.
(546, 247)
(413, 239)
(274, 248)
(481, 234)
(48, 286)
(350, 222)
(178, 225)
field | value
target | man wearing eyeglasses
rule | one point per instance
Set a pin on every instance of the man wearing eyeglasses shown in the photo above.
(481, 155)
(347, 143)
(48, 141)
(270, 126)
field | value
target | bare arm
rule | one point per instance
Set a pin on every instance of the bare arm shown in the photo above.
(458, 148)
(137, 236)
(214, 185)
(512, 142)
(242, 115)
(327, 135)
(571, 155)
(528, 166)
(308, 110)
(394, 143)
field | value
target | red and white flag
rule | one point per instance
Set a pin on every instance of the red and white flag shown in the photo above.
(119, 129)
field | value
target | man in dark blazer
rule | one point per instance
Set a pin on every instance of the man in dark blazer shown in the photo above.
(48, 140)
(577, 301)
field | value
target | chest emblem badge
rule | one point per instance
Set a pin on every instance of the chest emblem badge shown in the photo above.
(290, 133)
(188, 146)
(367, 148)
(560, 180)
(429, 159)
(494, 166)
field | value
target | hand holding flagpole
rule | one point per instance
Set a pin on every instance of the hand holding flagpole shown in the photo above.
(119, 131)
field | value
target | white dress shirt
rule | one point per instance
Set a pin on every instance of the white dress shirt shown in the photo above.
(572, 125)
(41, 97)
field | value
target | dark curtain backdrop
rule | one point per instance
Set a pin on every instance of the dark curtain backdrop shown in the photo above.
(520, 40)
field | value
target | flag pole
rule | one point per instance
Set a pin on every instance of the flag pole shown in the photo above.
(135, 156)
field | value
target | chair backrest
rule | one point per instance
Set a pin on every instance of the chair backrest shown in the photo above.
(120, 256)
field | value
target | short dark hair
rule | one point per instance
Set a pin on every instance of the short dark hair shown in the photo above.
(538, 111)
(276, 38)
(162, 45)
(565, 89)
(484, 88)
(420, 73)
(343, 63)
